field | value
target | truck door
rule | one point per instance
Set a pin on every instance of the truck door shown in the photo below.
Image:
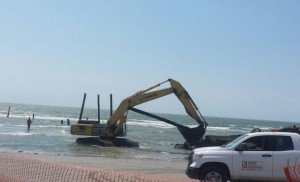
(284, 155)
(255, 161)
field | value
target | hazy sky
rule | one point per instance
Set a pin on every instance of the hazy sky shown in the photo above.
(237, 59)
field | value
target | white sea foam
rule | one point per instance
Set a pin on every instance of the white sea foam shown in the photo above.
(192, 126)
(156, 124)
(63, 131)
(51, 126)
(17, 133)
(217, 128)
(49, 118)
(52, 134)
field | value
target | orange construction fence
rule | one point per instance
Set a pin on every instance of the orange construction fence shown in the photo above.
(18, 167)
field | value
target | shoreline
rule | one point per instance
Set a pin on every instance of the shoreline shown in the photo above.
(146, 166)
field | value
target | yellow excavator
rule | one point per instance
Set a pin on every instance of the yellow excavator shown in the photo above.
(116, 124)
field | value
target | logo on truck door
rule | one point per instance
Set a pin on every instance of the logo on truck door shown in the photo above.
(292, 170)
(252, 165)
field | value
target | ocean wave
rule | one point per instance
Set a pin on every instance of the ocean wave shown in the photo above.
(151, 123)
(218, 128)
(229, 130)
(51, 126)
(3, 115)
(15, 116)
(16, 133)
(160, 124)
(64, 132)
(49, 118)
(40, 126)
(55, 118)
(54, 134)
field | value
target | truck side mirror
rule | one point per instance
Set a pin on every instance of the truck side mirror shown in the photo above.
(241, 147)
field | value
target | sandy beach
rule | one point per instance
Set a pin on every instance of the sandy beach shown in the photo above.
(145, 166)
(22, 166)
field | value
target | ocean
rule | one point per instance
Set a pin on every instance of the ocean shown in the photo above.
(156, 138)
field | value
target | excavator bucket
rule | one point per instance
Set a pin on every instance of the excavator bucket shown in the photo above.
(192, 135)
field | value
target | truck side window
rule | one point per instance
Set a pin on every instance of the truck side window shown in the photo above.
(255, 143)
(284, 143)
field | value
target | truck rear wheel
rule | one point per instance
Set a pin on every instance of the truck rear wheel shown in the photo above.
(213, 174)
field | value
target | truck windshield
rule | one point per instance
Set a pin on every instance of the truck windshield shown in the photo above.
(230, 144)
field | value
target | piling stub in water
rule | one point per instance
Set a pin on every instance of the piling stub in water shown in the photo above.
(8, 111)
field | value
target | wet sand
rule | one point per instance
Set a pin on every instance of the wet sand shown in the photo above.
(145, 166)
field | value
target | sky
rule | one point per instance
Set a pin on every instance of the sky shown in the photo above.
(237, 59)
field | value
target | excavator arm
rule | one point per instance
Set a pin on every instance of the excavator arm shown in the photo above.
(188, 103)
(116, 121)
(120, 115)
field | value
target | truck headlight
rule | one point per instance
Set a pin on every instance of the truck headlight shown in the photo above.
(198, 156)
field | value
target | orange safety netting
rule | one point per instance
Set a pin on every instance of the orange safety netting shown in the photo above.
(16, 167)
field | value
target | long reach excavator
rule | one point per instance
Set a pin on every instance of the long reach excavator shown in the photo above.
(116, 124)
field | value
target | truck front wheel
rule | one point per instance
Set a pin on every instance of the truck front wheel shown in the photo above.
(213, 174)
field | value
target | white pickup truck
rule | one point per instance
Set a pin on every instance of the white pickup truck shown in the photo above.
(260, 156)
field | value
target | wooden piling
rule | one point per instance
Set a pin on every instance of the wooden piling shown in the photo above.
(98, 98)
(82, 107)
(8, 111)
(111, 105)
